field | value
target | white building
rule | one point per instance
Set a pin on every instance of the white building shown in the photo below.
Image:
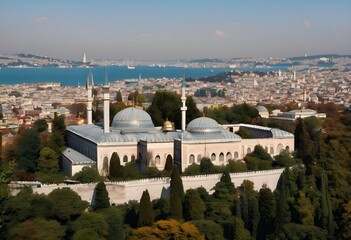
(133, 135)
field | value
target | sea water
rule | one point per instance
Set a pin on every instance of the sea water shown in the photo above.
(77, 76)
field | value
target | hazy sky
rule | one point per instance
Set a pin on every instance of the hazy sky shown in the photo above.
(165, 29)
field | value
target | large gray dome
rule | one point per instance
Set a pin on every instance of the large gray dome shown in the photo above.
(132, 118)
(203, 125)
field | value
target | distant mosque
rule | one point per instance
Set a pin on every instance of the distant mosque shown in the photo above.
(133, 136)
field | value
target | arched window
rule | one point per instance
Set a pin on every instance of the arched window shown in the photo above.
(287, 148)
(213, 157)
(221, 157)
(266, 148)
(248, 150)
(157, 159)
(191, 159)
(271, 150)
(199, 157)
(133, 158)
(125, 159)
(280, 148)
(105, 166)
(236, 155)
(229, 156)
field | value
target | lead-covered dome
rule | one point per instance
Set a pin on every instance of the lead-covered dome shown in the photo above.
(203, 125)
(132, 118)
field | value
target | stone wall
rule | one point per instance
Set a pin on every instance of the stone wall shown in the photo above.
(121, 192)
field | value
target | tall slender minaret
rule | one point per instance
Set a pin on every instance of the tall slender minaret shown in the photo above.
(89, 87)
(84, 58)
(294, 76)
(183, 108)
(106, 93)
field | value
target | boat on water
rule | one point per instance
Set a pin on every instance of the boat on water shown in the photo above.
(131, 66)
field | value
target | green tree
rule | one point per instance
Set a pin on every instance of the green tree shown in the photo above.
(141, 98)
(261, 153)
(254, 216)
(236, 166)
(267, 208)
(194, 207)
(327, 209)
(206, 166)
(346, 220)
(283, 209)
(193, 169)
(176, 194)
(38, 229)
(40, 125)
(226, 179)
(165, 105)
(81, 234)
(118, 96)
(291, 231)
(68, 205)
(303, 143)
(114, 220)
(102, 199)
(58, 134)
(305, 209)
(192, 111)
(28, 151)
(91, 221)
(209, 228)
(145, 214)
(87, 175)
(116, 170)
(169, 163)
(48, 161)
(235, 229)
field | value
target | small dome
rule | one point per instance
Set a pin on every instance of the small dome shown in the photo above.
(261, 109)
(203, 124)
(168, 126)
(132, 118)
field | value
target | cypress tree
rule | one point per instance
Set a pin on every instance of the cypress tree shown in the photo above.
(169, 163)
(228, 182)
(101, 197)
(57, 140)
(244, 208)
(116, 170)
(28, 152)
(176, 194)
(254, 216)
(145, 214)
(283, 209)
(327, 213)
(194, 207)
(267, 211)
(303, 143)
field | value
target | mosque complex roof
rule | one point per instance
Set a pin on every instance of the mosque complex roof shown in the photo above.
(133, 124)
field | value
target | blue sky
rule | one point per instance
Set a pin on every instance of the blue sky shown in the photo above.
(165, 30)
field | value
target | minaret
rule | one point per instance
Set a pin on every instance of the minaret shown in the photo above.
(183, 108)
(89, 87)
(84, 58)
(106, 93)
(294, 76)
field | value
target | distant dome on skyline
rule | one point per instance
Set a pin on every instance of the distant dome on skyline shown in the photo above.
(132, 118)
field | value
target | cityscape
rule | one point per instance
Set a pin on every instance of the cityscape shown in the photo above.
(177, 120)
